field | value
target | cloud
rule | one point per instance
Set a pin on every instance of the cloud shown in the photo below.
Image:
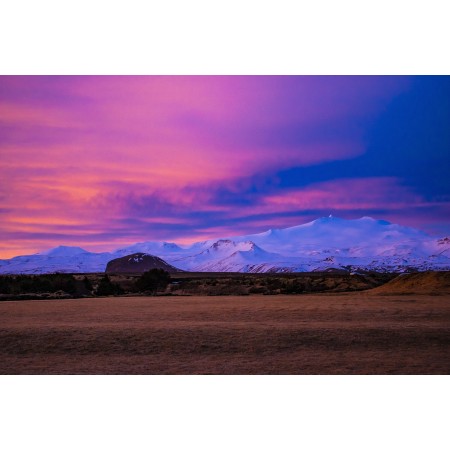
(343, 194)
(87, 154)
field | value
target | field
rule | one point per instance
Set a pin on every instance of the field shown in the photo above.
(349, 333)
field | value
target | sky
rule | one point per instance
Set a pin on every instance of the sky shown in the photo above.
(105, 161)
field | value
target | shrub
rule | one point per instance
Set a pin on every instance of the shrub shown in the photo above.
(87, 284)
(106, 287)
(153, 280)
(26, 284)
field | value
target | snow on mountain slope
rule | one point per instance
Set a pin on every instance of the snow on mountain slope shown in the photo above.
(325, 243)
(60, 259)
(215, 252)
(249, 262)
(64, 251)
(332, 233)
(226, 255)
(151, 247)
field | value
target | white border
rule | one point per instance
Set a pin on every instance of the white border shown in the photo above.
(233, 37)
(220, 412)
(201, 37)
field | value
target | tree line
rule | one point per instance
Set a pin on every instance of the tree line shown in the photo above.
(149, 282)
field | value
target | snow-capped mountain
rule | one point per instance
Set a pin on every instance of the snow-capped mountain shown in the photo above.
(59, 259)
(225, 255)
(329, 242)
(152, 248)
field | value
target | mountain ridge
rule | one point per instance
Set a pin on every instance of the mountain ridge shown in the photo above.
(322, 244)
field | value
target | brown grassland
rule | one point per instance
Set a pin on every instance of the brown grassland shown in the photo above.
(348, 333)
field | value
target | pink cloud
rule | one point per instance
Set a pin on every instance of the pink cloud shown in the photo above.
(84, 152)
(341, 195)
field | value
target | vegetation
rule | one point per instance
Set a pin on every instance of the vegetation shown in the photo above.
(24, 284)
(106, 287)
(274, 284)
(87, 284)
(158, 281)
(152, 281)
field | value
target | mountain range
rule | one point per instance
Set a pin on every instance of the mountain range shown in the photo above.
(323, 244)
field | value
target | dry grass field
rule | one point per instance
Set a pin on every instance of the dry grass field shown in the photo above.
(353, 333)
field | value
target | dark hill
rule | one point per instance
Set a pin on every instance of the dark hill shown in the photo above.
(138, 263)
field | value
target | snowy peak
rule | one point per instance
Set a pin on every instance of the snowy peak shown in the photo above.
(226, 247)
(336, 223)
(328, 219)
(333, 232)
(63, 250)
(372, 220)
(221, 244)
(171, 246)
(226, 244)
(151, 247)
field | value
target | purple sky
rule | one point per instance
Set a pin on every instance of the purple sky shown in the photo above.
(101, 162)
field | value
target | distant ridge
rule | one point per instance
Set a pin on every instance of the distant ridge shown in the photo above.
(138, 263)
(327, 243)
